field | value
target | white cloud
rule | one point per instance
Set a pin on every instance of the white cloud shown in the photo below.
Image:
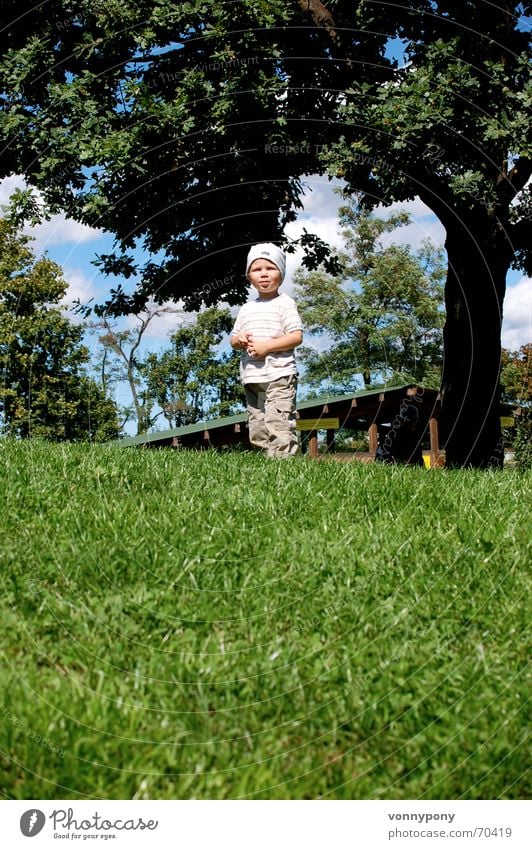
(326, 227)
(320, 343)
(319, 216)
(59, 230)
(320, 198)
(8, 186)
(424, 225)
(79, 287)
(517, 316)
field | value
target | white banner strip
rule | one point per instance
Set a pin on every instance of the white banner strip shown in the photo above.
(267, 825)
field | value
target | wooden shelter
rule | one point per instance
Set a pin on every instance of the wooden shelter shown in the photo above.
(366, 410)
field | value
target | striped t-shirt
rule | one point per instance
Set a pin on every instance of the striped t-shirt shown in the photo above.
(267, 318)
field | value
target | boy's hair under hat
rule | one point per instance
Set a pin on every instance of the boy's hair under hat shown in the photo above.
(267, 250)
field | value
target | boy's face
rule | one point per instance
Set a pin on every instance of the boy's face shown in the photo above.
(265, 277)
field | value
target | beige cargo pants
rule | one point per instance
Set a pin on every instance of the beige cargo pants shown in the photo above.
(272, 416)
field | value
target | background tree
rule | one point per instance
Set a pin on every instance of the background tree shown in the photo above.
(169, 124)
(118, 361)
(516, 375)
(45, 389)
(192, 381)
(516, 380)
(383, 313)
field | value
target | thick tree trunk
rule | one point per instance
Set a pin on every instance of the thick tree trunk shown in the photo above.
(476, 283)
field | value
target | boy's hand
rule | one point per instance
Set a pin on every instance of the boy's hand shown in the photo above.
(257, 349)
(242, 340)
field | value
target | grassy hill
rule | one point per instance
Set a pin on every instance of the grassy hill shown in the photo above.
(179, 625)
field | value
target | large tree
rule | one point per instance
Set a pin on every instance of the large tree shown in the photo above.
(186, 128)
(383, 313)
(45, 387)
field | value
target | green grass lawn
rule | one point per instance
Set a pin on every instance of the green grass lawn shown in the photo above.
(185, 625)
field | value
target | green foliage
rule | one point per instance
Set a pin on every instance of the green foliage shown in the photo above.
(454, 119)
(383, 313)
(516, 380)
(122, 99)
(44, 391)
(182, 624)
(516, 375)
(522, 442)
(191, 381)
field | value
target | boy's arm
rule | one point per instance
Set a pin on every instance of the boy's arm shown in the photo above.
(237, 337)
(262, 347)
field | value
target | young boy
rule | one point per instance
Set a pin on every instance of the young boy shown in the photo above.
(267, 330)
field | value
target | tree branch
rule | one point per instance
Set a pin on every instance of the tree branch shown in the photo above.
(435, 194)
(520, 233)
(509, 185)
(319, 13)
(321, 16)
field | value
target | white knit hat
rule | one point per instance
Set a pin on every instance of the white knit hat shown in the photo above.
(267, 251)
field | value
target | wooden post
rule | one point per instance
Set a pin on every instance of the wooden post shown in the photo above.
(373, 438)
(330, 439)
(434, 443)
(313, 443)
